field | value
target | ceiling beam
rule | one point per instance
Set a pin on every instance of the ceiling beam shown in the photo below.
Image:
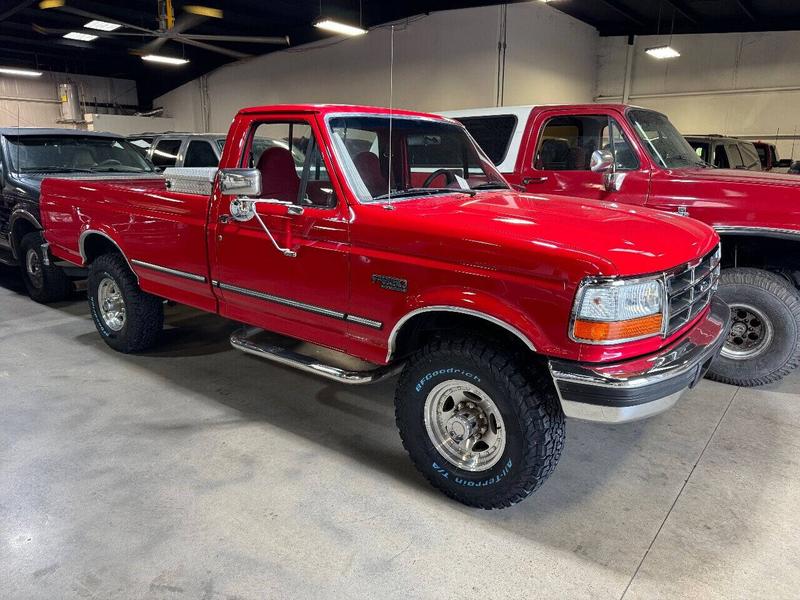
(19, 7)
(623, 10)
(683, 10)
(747, 9)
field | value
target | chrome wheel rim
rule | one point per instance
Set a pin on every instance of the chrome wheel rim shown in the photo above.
(465, 425)
(111, 304)
(33, 266)
(750, 334)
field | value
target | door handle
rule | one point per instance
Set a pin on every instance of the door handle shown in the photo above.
(529, 180)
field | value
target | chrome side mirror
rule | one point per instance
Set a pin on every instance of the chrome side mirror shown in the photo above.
(602, 161)
(242, 182)
(242, 209)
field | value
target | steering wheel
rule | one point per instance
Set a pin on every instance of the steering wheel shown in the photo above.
(109, 162)
(449, 176)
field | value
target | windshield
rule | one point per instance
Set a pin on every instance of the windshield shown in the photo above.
(427, 157)
(667, 147)
(74, 153)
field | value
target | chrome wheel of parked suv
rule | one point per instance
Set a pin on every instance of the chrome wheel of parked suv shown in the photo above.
(44, 283)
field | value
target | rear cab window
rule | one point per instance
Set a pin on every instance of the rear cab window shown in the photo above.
(493, 134)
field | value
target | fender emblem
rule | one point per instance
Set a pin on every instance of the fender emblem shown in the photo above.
(393, 284)
(683, 211)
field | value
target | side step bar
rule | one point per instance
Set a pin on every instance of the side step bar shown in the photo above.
(242, 339)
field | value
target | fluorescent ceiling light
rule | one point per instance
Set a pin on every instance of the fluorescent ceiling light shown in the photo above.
(21, 72)
(84, 37)
(102, 25)
(663, 52)
(167, 60)
(336, 27)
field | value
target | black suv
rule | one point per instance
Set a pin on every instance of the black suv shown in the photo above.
(725, 152)
(27, 156)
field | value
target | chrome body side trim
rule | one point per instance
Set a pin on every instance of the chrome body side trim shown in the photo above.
(640, 387)
(168, 271)
(455, 309)
(242, 340)
(334, 314)
(765, 231)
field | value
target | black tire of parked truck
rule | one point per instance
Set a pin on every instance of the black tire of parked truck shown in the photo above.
(44, 283)
(763, 345)
(480, 423)
(128, 319)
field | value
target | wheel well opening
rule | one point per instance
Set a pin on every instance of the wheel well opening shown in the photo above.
(778, 255)
(427, 326)
(96, 245)
(22, 227)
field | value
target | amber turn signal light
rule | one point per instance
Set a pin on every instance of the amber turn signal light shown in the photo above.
(607, 331)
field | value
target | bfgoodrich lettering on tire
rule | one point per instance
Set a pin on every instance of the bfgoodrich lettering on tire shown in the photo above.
(483, 426)
(128, 319)
(764, 341)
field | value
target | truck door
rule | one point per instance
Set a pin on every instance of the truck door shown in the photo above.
(559, 148)
(296, 281)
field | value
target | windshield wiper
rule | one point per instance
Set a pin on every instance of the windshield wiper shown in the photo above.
(423, 192)
(491, 185)
(54, 169)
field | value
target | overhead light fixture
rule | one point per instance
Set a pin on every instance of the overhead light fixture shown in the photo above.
(662, 52)
(83, 37)
(337, 27)
(45, 4)
(102, 25)
(167, 60)
(20, 72)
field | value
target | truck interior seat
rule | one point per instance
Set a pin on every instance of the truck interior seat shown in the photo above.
(554, 154)
(279, 178)
(369, 167)
(83, 159)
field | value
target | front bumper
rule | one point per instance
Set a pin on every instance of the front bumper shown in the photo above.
(645, 386)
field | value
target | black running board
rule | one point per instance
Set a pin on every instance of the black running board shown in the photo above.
(243, 339)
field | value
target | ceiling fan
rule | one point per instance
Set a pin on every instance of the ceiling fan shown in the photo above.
(169, 29)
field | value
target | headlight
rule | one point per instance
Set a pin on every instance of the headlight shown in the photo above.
(618, 311)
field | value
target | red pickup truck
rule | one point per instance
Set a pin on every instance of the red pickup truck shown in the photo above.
(633, 156)
(391, 238)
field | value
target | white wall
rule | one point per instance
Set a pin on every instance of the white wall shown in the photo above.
(34, 101)
(447, 60)
(721, 83)
(128, 124)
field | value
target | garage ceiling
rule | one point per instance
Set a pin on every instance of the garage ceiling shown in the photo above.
(33, 37)
(641, 17)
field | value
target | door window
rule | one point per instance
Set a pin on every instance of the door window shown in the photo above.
(568, 142)
(734, 156)
(200, 154)
(721, 157)
(750, 156)
(165, 154)
(291, 164)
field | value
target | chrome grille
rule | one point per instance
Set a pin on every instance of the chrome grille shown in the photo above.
(689, 291)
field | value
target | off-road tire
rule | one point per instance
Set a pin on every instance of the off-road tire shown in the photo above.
(144, 313)
(52, 285)
(527, 402)
(779, 301)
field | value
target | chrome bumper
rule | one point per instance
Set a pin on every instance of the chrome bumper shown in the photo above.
(642, 387)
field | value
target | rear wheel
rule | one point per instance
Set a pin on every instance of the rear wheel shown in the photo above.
(128, 319)
(763, 344)
(44, 283)
(480, 425)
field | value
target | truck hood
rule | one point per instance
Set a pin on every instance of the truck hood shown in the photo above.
(615, 239)
(737, 176)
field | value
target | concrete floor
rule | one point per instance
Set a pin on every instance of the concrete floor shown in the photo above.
(198, 472)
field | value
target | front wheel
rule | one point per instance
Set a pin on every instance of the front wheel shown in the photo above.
(763, 344)
(481, 426)
(128, 319)
(44, 283)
